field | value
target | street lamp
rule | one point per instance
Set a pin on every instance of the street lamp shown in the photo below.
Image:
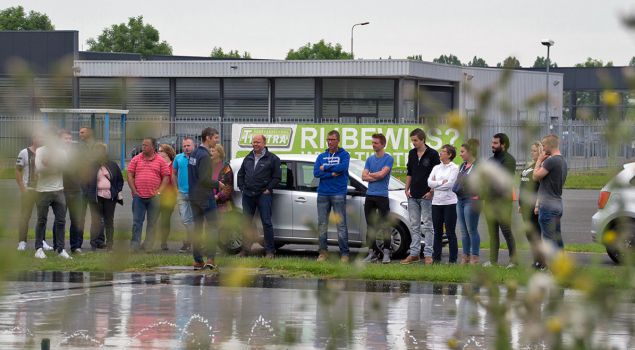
(548, 43)
(353, 27)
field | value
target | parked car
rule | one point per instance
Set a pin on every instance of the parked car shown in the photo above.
(174, 140)
(295, 207)
(614, 222)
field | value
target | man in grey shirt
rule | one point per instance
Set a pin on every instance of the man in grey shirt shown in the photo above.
(551, 171)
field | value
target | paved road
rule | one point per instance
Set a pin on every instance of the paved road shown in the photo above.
(579, 207)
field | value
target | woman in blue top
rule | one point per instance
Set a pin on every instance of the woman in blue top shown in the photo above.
(468, 207)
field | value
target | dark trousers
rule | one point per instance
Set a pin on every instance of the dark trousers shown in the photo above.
(532, 231)
(28, 199)
(57, 202)
(76, 204)
(204, 240)
(263, 203)
(444, 215)
(376, 210)
(102, 215)
(498, 214)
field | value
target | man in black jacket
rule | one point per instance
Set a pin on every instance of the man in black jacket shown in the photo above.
(258, 176)
(498, 211)
(201, 185)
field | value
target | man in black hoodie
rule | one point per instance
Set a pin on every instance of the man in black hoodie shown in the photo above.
(258, 176)
(498, 211)
(201, 184)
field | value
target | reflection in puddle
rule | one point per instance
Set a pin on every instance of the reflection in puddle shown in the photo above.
(154, 311)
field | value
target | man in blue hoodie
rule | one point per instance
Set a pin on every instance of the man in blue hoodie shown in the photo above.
(331, 167)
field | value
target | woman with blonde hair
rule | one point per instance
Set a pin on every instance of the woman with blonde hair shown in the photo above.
(527, 204)
(167, 200)
(468, 207)
(222, 172)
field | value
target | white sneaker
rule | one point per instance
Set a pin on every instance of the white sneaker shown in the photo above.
(46, 246)
(22, 245)
(64, 254)
(487, 264)
(511, 266)
(39, 254)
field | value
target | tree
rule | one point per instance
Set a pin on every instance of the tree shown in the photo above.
(541, 62)
(509, 62)
(132, 37)
(217, 52)
(415, 57)
(319, 51)
(14, 18)
(592, 62)
(477, 62)
(632, 62)
(449, 59)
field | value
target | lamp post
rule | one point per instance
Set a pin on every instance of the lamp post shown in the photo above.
(353, 27)
(548, 43)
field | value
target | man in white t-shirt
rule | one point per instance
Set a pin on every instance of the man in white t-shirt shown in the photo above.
(50, 161)
(26, 178)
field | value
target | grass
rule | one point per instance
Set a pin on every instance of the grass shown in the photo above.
(589, 180)
(299, 268)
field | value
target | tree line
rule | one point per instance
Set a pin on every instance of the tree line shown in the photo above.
(135, 36)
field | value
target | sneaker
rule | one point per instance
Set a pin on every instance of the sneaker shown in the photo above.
(185, 248)
(474, 260)
(22, 245)
(465, 259)
(428, 260)
(386, 257)
(344, 259)
(39, 254)
(63, 254)
(324, 255)
(198, 265)
(371, 258)
(269, 255)
(45, 246)
(77, 251)
(164, 247)
(510, 266)
(487, 264)
(210, 264)
(409, 260)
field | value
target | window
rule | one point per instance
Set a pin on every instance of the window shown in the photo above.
(305, 180)
(286, 178)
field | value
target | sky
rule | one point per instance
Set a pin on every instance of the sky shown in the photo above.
(491, 29)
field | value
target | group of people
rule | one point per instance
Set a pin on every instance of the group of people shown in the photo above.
(67, 175)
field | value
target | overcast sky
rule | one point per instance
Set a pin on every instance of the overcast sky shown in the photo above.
(491, 29)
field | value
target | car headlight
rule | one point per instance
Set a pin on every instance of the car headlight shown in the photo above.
(404, 205)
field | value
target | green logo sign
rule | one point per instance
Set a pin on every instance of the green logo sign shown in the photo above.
(277, 137)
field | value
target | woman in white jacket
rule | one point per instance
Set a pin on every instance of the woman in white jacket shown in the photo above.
(441, 181)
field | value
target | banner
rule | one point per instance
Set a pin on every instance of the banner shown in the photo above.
(355, 138)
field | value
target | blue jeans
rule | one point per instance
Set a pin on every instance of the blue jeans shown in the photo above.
(420, 216)
(204, 238)
(141, 207)
(468, 212)
(263, 202)
(338, 204)
(549, 219)
(185, 210)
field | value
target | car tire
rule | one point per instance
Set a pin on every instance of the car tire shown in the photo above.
(628, 242)
(614, 254)
(400, 241)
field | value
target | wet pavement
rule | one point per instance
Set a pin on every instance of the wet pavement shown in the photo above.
(195, 311)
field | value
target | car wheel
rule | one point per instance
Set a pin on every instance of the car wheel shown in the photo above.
(400, 241)
(231, 241)
(626, 243)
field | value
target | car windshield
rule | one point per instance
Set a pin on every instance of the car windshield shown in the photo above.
(356, 166)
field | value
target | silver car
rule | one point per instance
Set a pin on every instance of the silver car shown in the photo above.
(614, 222)
(295, 207)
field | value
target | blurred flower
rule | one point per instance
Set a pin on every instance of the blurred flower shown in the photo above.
(540, 286)
(238, 277)
(453, 343)
(554, 325)
(335, 218)
(455, 120)
(562, 266)
(610, 98)
(609, 237)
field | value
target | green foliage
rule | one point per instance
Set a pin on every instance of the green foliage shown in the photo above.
(217, 52)
(592, 62)
(448, 59)
(14, 18)
(319, 51)
(632, 62)
(415, 57)
(477, 62)
(541, 62)
(134, 37)
(510, 63)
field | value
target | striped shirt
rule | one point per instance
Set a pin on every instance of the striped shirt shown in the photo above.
(148, 174)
